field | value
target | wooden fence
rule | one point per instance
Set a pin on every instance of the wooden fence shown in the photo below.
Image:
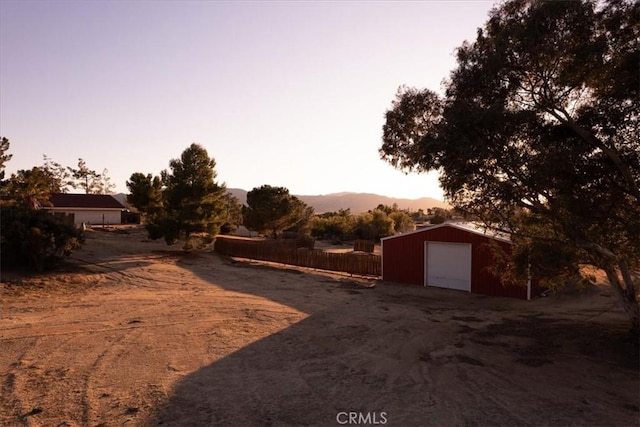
(273, 251)
(364, 246)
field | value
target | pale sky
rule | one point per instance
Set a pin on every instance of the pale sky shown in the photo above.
(289, 94)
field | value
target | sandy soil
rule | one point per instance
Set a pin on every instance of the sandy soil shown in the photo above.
(132, 332)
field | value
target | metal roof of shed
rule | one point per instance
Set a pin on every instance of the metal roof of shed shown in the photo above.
(470, 227)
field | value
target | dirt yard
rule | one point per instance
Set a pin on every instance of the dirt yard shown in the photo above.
(132, 332)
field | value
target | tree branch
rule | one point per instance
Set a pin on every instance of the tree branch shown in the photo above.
(587, 136)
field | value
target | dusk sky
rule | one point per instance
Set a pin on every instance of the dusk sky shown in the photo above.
(289, 94)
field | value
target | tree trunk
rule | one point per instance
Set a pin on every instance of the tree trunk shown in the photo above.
(627, 294)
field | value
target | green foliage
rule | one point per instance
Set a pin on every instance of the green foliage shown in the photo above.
(233, 216)
(301, 215)
(537, 134)
(402, 222)
(192, 202)
(160, 225)
(35, 239)
(403, 219)
(145, 192)
(374, 225)
(413, 114)
(418, 216)
(28, 188)
(438, 215)
(59, 176)
(388, 209)
(272, 210)
(377, 223)
(87, 179)
(334, 226)
(4, 157)
(104, 184)
(30, 237)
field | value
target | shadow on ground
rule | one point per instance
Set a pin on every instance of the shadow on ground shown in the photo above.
(401, 354)
(408, 356)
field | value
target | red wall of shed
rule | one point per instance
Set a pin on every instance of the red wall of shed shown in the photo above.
(403, 260)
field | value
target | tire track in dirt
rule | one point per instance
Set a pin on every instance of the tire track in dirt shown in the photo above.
(92, 401)
(11, 403)
(484, 396)
(113, 329)
(48, 378)
(113, 270)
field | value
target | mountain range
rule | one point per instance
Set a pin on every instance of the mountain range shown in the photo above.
(357, 202)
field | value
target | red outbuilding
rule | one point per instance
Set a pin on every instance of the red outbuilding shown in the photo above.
(450, 255)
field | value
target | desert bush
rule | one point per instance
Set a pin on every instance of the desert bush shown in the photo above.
(402, 222)
(35, 239)
(374, 225)
(336, 227)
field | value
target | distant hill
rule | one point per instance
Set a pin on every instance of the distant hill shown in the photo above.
(357, 202)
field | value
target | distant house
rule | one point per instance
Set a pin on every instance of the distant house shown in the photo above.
(96, 209)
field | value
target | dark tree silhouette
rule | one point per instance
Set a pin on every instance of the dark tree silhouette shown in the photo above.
(192, 200)
(537, 134)
(270, 210)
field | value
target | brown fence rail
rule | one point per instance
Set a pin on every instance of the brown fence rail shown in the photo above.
(365, 264)
(364, 246)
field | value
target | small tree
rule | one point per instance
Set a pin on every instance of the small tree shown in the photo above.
(35, 239)
(145, 192)
(29, 188)
(402, 222)
(85, 178)
(374, 225)
(192, 201)
(233, 216)
(438, 216)
(4, 157)
(59, 176)
(104, 184)
(31, 237)
(272, 210)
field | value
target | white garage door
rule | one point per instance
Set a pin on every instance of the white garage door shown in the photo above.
(448, 265)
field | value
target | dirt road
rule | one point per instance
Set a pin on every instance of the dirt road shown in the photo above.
(132, 332)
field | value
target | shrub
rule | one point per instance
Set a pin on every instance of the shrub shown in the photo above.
(35, 239)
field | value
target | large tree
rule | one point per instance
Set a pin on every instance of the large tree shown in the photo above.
(193, 202)
(272, 210)
(537, 134)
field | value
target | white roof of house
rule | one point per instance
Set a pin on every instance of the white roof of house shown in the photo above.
(470, 227)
